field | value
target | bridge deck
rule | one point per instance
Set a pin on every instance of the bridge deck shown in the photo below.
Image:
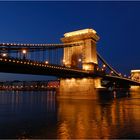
(23, 66)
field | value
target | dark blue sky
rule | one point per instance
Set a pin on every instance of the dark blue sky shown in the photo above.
(117, 23)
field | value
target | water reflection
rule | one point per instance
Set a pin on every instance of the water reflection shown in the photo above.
(111, 118)
(39, 115)
(27, 114)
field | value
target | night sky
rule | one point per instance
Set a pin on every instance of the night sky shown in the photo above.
(117, 24)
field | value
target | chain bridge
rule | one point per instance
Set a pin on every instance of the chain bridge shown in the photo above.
(75, 58)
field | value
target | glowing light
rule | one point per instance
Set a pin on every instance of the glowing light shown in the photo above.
(4, 54)
(104, 65)
(84, 79)
(64, 62)
(46, 62)
(67, 80)
(111, 72)
(73, 79)
(135, 70)
(86, 67)
(120, 74)
(24, 51)
(79, 59)
(102, 69)
(84, 31)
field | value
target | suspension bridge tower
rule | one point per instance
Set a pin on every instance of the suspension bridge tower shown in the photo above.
(84, 56)
(135, 75)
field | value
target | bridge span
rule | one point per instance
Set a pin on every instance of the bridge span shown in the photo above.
(23, 66)
(76, 59)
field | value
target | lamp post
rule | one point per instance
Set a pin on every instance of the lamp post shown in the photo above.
(4, 55)
(46, 62)
(24, 53)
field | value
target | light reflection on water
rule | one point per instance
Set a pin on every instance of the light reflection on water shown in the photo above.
(39, 115)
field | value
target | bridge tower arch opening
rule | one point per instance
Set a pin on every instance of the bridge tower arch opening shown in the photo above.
(83, 55)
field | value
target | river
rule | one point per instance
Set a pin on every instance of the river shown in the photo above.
(38, 114)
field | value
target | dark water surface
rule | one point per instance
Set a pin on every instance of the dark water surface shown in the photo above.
(40, 115)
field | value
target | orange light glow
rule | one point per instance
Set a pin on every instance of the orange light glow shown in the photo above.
(79, 59)
(84, 31)
(4, 54)
(46, 62)
(24, 51)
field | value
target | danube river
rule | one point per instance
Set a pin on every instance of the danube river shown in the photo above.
(37, 114)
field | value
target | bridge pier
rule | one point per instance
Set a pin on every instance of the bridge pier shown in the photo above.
(78, 88)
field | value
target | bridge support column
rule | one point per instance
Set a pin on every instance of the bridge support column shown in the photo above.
(84, 54)
(78, 88)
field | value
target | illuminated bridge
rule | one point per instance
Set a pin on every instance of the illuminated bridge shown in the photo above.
(76, 57)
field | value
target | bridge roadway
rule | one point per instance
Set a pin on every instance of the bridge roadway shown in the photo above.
(23, 66)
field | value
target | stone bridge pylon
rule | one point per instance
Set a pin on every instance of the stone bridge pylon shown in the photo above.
(84, 56)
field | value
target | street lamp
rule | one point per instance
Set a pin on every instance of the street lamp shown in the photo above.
(46, 62)
(4, 55)
(111, 72)
(104, 66)
(24, 53)
(63, 62)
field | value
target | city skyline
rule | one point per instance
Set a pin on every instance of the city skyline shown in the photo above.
(117, 24)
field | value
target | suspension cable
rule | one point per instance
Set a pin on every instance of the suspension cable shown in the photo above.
(15, 46)
(103, 60)
(33, 47)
